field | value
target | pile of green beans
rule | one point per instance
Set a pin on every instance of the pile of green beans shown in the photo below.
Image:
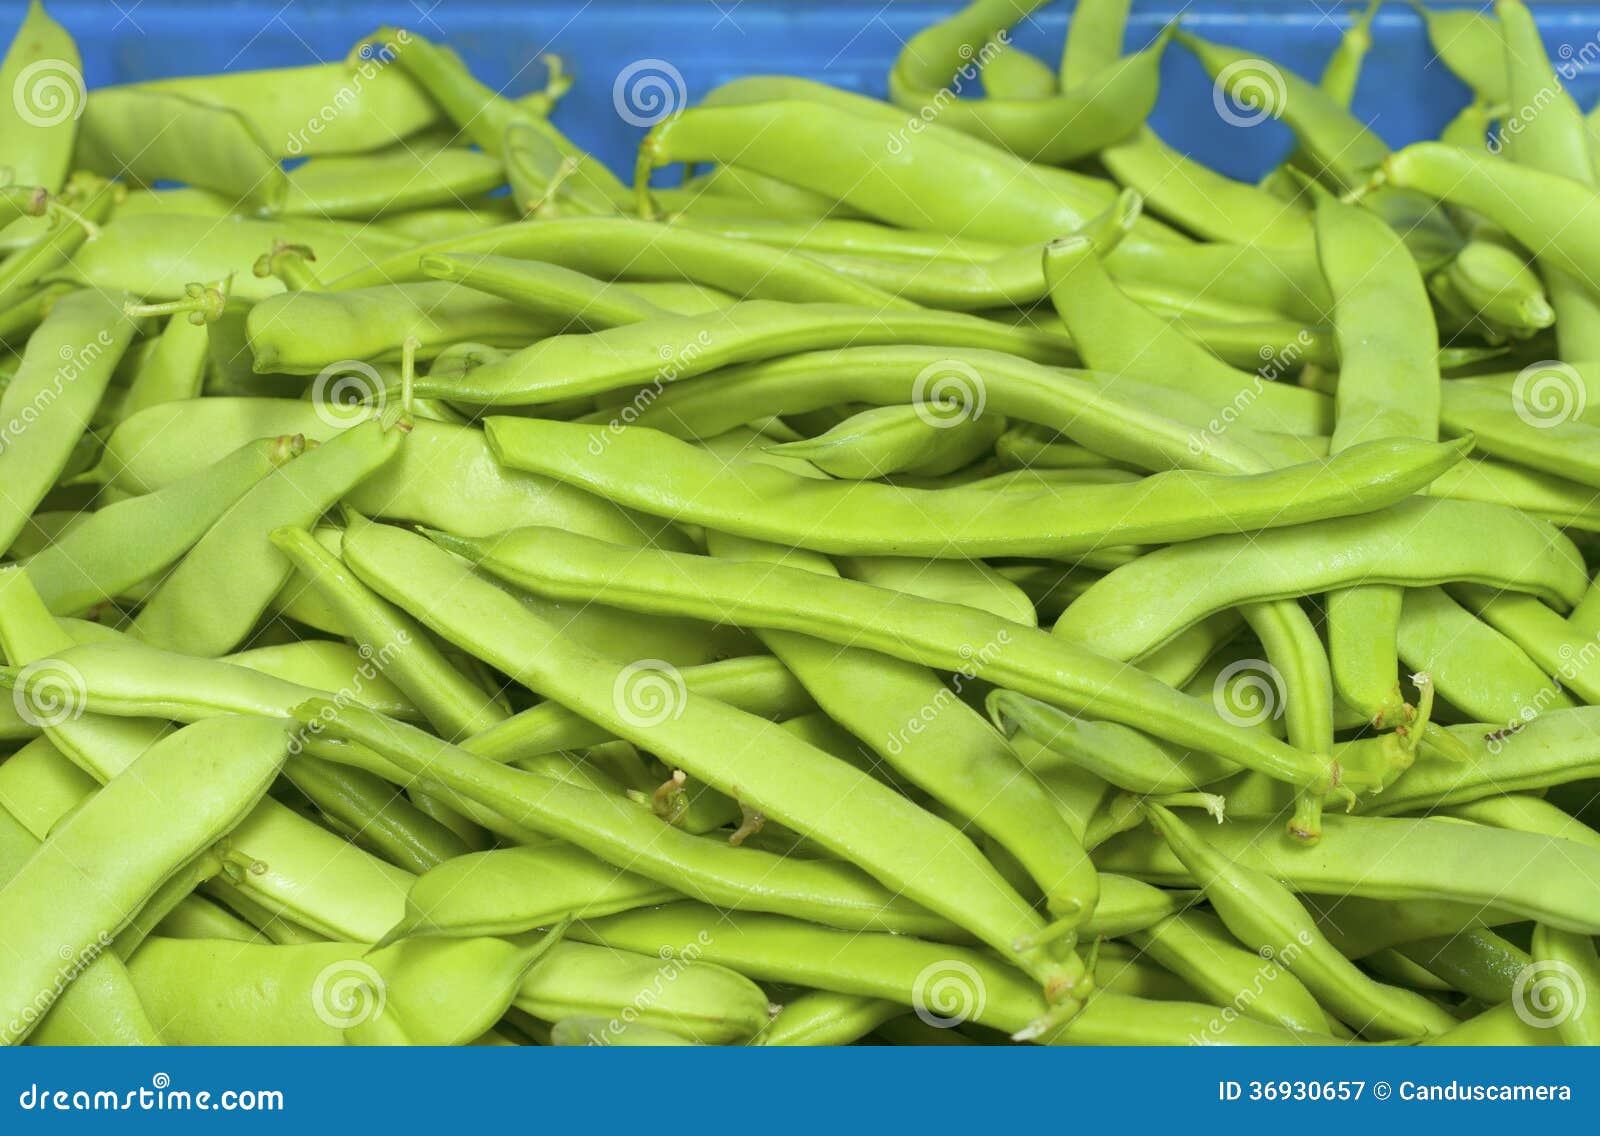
(1089, 600)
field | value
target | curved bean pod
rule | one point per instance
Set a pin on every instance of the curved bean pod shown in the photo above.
(1415, 543)
(944, 636)
(656, 473)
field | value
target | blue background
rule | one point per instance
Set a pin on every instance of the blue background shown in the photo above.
(1405, 94)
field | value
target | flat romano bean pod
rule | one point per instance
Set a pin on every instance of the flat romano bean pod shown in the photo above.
(1476, 669)
(1053, 130)
(1394, 859)
(47, 404)
(209, 603)
(776, 949)
(965, 765)
(132, 540)
(757, 683)
(38, 138)
(654, 472)
(161, 135)
(616, 828)
(95, 871)
(1263, 913)
(884, 440)
(400, 648)
(1415, 543)
(1115, 334)
(298, 332)
(571, 366)
(444, 475)
(945, 636)
(1143, 426)
(626, 248)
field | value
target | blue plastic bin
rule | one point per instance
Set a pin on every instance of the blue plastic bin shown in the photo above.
(1404, 92)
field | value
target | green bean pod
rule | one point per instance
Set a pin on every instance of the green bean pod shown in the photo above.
(298, 332)
(1054, 130)
(511, 890)
(1475, 667)
(156, 135)
(1199, 949)
(39, 127)
(653, 472)
(626, 248)
(420, 992)
(99, 866)
(944, 636)
(679, 347)
(1577, 1017)
(885, 440)
(571, 674)
(1395, 859)
(759, 684)
(212, 599)
(615, 828)
(1113, 333)
(550, 291)
(1263, 913)
(454, 704)
(963, 764)
(444, 475)
(950, 985)
(823, 1017)
(1415, 543)
(46, 407)
(135, 539)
